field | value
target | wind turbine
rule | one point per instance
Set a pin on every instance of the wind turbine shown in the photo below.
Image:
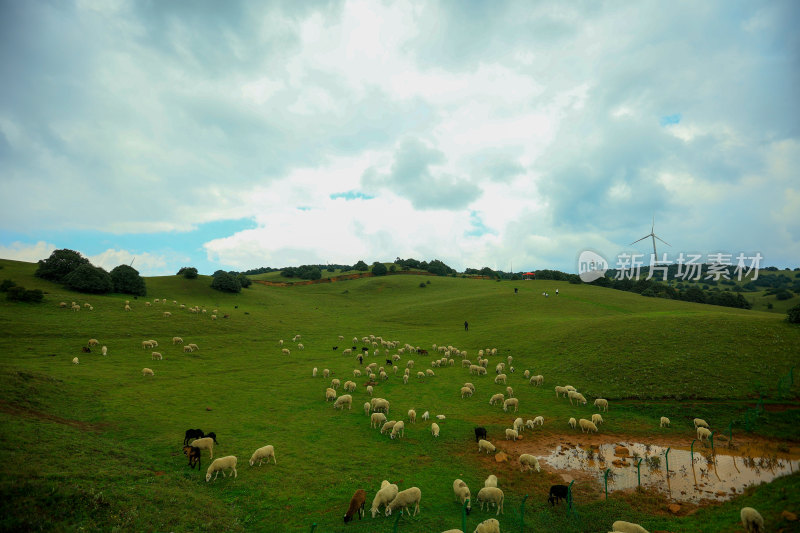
(654, 237)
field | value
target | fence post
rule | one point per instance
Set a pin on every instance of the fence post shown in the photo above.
(521, 515)
(666, 456)
(691, 448)
(605, 476)
(712, 442)
(464, 515)
(396, 522)
(570, 508)
(639, 472)
(313, 527)
(730, 433)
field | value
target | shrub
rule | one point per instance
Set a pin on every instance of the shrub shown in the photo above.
(6, 284)
(127, 280)
(222, 281)
(244, 281)
(188, 272)
(793, 314)
(361, 266)
(379, 269)
(60, 264)
(783, 294)
(88, 278)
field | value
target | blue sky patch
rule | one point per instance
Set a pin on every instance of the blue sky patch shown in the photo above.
(669, 120)
(351, 195)
(477, 227)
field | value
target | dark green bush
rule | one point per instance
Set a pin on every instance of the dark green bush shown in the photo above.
(379, 269)
(793, 314)
(127, 280)
(6, 284)
(188, 272)
(222, 281)
(60, 264)
(88, 278)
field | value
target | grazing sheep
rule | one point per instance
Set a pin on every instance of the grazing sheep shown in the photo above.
(486, 445)
(388, 427)
(480, 433)
(193, 346)
(187, 349)
(490, 481)
(377, 419)
(510, 392)
(193, 454)
(526, 374)
(404, 500)
(369, 390)
(192, 434)
(429, 373)
(699, 422)
(145, 371)
(286, 351)
(435, 429)
(219, 465)
(537, 380)
(301, 347)
(330, 394)
(560, 391)
(93, 342)
(341, 401)
(335, 383)
(466, 392)
(167, 314)
(205, 443)
(462, 493)
(156, 356)
(349, 386)
(664, 421)
(147, 344)
(529, 462)
(511, 434)
(265, 452)
(398, 430)
(380, 404)
(601, 404)
(497, 398)
(578, 399)
(75, 361)
(703, 433)
(510, 402)
(752, 520)
(597, 419)
(489, 496)
(386, 494)
(314, 372)
(572, 423)
(488, 526)
(538, 421)
(518, 425)
(367, 408)
(426, 415)
(441, 417)
(587, 426)
(627, 527)
(356, 506)
(501, 378)
(104, 350)
(356, 373)
(326, 373)
(557, 493)
(412, 416)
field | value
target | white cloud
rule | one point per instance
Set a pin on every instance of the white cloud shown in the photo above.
(30, 253)
(147, 264)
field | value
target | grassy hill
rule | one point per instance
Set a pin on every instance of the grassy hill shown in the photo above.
(98, 446)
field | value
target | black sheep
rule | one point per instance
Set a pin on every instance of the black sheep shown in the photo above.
(193, 454)
(480, 433)
(557, 493)
(213, 436)
(192, 434)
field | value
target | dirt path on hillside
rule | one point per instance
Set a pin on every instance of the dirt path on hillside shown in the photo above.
(21, 411)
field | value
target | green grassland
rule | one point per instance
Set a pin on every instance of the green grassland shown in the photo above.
(97, 446)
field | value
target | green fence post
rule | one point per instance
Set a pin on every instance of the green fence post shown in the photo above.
(313, 527)
(464, 515)
(639, 472)
(712, 442)
(396, 522)
(521, 515)
(666, 456)
(730, 433)
(606, 480)
(570, 508)
(691, 448)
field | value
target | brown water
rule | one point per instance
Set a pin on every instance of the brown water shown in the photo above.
(717, 476)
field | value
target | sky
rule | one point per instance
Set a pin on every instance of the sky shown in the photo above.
(514, 135)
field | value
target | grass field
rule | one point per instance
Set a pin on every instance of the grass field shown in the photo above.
(97, 446)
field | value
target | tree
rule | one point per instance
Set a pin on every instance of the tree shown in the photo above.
(379, 269)
(188, 272)
(20, 294)
(222, 281)
(88, 278)
(127, 280)
(361, 266)
(244, 281)
(793, 314)
(60, 264)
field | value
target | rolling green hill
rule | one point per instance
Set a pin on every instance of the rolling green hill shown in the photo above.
(98, 446)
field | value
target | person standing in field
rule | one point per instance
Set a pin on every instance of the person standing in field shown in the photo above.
(466, 326)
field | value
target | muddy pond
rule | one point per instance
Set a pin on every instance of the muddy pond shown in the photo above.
(711, 476)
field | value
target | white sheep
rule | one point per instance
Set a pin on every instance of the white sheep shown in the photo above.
(703, 433)
(560, 390)
(314, 372)
(471, 386)
(497, 398)
(167, 314)
(526, 374)
(429, 373)
(187, 349)
(367, 408)
(462, 493)
(597, 419)
(699, 422)
(341, 401)
(752, 520)
(388, 426)
(538, 421)
(104, 350)
(405, 379)
(330, 394)
(206, 443)
(335, 383)
(286, 351)
(219, 465)
(501, 378)
(349, 386)
(435, 429)
(301, 347)
(386, 494)
(486, 445)
(404, 500)
(93, 342)
(356, 373)
(441, 417)
(511, 434)
(156, 356)
(466, 392)
(491, 495)
(509, 402)
(518, 425)
(490, 481)
(398, 430)
(664, 421)
(529, 462)
(537, 380)
(192, 345)
(572, 423)
(75, 361)
(145, 371)
(377, 419)
(601, 404)
(510, 392)
(426, 415)
(412, 416)
(265, 452)
(326, 373)
(380, 404)
(627, 527)
(587, 426)
(488, 526)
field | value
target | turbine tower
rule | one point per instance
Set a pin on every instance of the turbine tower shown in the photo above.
(653, 236)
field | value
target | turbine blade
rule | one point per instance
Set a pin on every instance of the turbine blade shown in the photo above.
(662, 240)
(643, 238)
(653, 227)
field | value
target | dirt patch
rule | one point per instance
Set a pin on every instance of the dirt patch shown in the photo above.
(26, 412)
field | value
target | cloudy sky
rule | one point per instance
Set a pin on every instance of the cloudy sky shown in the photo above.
(237, 135)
